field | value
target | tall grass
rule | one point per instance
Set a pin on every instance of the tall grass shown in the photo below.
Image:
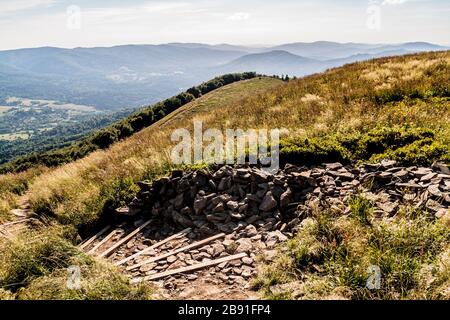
(35, 266)
(412, 255)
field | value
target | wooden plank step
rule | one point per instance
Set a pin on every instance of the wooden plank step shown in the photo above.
(190, 268)
(104, 240)
(174, 252)
(5, 234)
(93, 238)
(125, 239)
(156, 245)
(19, 213)
(14, 222)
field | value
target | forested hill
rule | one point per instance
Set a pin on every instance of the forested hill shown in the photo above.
(118, 130)
(60, 136)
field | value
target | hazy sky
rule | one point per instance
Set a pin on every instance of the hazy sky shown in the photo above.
(72, 23)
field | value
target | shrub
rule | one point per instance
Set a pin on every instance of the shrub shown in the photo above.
(312, 151)
(381, 139)
(118, 194)
(407, 145)
(422, 152)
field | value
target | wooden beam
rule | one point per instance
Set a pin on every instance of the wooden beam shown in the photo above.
(14, 222)
(92, 239)
(190, 268)
(125, 239)
(19, 227)
(18, 213)
(105, 239)
(4, 234)
(171, 253)
(156, 245)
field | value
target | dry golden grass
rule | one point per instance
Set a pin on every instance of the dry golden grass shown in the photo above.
(11, 187)
(74, 189)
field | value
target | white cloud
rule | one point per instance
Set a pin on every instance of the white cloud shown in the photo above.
(163, 7)
(9, 6)
(106, 23)
(393, 2)
(129, 13)
(239, 16)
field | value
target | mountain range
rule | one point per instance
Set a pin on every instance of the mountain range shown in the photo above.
(124, 76)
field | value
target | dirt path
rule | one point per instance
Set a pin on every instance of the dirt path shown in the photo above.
(24, 210)
(204, 284)
(21, 217)
(206, 287)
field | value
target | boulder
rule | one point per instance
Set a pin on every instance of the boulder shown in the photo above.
(268, 203)
(286, 198)
(199, 204)
(244, 245)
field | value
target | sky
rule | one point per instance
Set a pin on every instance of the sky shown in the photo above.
(90, 23)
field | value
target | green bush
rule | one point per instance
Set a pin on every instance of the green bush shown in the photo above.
(422, 152)
(381, 139)
(312, 151)
(118, 194)
(406, 145)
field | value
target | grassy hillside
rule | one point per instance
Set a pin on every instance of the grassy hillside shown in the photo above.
(395, 108)
(146, 154)
(388, 108)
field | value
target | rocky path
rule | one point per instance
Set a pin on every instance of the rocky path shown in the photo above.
(159, 249)
(200, 235)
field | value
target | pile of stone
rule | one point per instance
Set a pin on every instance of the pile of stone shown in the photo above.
(254, 211)
(229, 199)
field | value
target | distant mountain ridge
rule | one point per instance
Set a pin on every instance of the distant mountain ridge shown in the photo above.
(326, 50)
(112, 78)
(276, 62)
